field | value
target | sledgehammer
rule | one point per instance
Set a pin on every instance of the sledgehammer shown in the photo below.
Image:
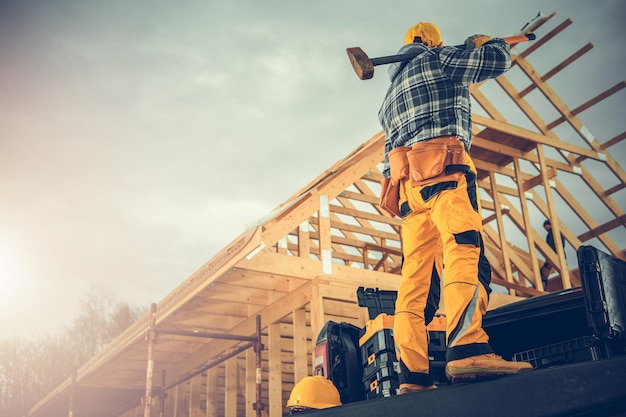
(364, 65)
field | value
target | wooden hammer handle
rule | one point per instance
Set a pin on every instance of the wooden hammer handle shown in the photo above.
(364, 66)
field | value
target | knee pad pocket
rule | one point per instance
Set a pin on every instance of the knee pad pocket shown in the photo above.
(469, 237)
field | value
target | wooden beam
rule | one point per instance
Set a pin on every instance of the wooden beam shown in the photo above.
(534, 137)
(603, 228)
(558, 68)
(275, 382)
(607, 93)
(521, 186)
(501, 230)
(300, 345)
(613, 141)
(193, 405)
(537, 180)
(250, 383)
(545, 38)
(530, 156)
(304, 243)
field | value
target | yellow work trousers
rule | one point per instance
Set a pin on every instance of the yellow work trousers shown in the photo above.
(441, 225)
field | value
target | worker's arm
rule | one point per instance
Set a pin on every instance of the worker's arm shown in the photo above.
(464, 66)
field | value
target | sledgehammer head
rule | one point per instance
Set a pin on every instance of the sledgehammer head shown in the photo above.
(362, 64)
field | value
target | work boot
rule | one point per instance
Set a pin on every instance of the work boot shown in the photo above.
(483, 367)
(408, 388)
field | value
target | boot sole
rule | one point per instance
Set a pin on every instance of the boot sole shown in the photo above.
(402, 391)
(477, 373)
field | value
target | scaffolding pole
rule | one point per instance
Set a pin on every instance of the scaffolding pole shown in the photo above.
(255, 343)
(151, 339)
(258, 348)
(162, 395)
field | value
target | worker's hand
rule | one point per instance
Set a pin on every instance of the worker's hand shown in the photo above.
(476, 41)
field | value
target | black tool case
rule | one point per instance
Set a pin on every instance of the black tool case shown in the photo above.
(603, 281)
(586, 348)
(536, 322)
(576, 324)
(377, 301)
(338, 358)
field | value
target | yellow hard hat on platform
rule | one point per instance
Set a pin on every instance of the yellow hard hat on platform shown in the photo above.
(427, 32)
(314, 392)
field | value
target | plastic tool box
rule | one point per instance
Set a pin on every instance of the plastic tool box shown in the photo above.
(379, 365)
(384, 387)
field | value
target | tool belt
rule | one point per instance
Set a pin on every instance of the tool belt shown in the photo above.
(436, 160)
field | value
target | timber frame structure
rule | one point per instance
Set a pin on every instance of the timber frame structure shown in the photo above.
(232, 339)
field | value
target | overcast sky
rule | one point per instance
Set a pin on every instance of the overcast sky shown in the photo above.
(139, 138)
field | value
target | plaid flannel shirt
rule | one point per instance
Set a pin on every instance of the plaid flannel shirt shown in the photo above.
(429, 96)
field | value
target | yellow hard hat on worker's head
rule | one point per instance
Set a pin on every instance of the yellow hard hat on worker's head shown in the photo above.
(314, 392)
(427, 33)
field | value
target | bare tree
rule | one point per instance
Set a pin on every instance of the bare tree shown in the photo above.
(32, 367)
(100, 320)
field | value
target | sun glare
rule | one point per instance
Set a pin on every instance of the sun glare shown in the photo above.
(8, 273)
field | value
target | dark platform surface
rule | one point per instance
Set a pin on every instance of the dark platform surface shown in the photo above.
(595, 388)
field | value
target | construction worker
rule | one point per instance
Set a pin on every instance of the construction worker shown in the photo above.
(313, 393)
(430, 182)
(546, 268)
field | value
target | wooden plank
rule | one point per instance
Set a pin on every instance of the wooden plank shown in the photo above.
(365, 198)
(275, 383)
(300, 345)
(607, 93)
(318, 317)
(501, 230)
(250, 383)
(532, 136)
(230, 388)
(521, 103)
(374, 233)
(181, 400)
(367, 216)
(241, 294)
(479, 142)
(613, 141)
(599, 191)
(195, 385)
(485, 103)
(545, 38)
(603, 228)
(323, 219)
(247, 280)
(521, 186)
(537, 180)
(558, 68)
(304, 243)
